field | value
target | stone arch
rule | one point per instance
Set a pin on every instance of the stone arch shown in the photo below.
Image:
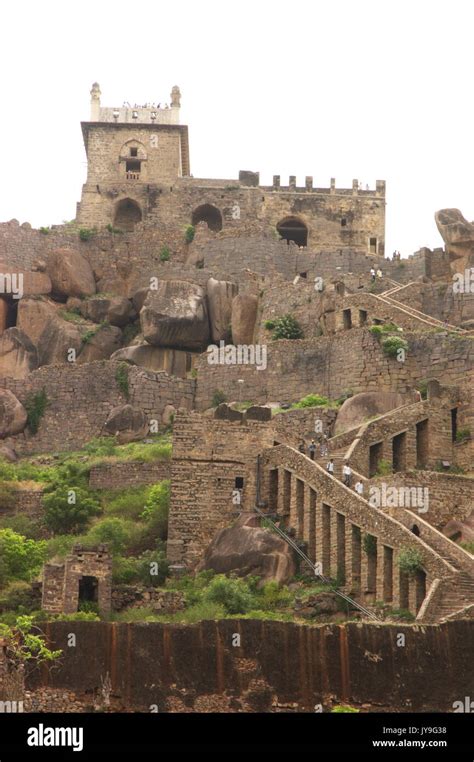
(133, 149)
(210, 215)
(127, 214)
(293, 229)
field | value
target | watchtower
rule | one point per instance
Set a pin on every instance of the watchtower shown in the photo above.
(132, 151)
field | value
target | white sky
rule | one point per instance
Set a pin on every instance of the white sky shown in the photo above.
(367, 89)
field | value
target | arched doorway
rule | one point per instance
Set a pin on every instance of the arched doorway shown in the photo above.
(293, 229)
(208, 214)
(127, 214)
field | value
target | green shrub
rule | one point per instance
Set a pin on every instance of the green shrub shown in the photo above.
(376, 330)
(127, 504)
(101, 446)
(189, 233)
(156, 509)
(115, 532)
(141, 569)
(287, 327)
(72, 315)
(62, 516)
(121, 377)
(85, 234)
(232, 594)
(344, 709)
(462, 435)
(20, 558)
(16, 595)
(78, 616)
(8, 496)
(393, 344)
(45, 230)
(410, 560)
(384, 467)
(164, 254)
(36, 405)
(269, 325)
(312, 400)
(218, 398)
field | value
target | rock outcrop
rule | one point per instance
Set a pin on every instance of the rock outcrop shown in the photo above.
(175, 315)
(70, 273)
(173, 361)
(116, 310)
(458, 236)
(127, 423)
(12, 415)
(244, 316)
(18, 356)
(220, 294)
(359, 408)
(245, 548)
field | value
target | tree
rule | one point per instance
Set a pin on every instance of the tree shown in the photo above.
(69, 511)
(20, 558)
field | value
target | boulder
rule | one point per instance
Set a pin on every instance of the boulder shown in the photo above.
(357, 409)
(70, 273)
(36, 283)
(245, 549)
(18, 356)
(8, 454)
(127, 423)
(220, 294)
(244, 316)
(101, 345)
(120, 311)
(116, 310)
(175, 315)
(12, 415)
(57, 339)
(34, 315)
(138, 298)
(458, 236)
(173, 361)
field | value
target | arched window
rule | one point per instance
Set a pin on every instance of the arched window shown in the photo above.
(293, 229)
(127, 214)
(208, 214)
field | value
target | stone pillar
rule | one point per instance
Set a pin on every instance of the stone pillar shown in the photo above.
(380, 570)
(309, 183)
(412, 595)
(332, 189)
(318, 538)
(333, 561)
(349, 584)
(293, 507)
(292, 182)
(95, 102)
(276, 182)
(396, 584)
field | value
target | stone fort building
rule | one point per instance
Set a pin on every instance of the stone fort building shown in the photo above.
(139, 174)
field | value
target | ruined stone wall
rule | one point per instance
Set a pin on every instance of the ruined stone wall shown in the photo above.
(116, 476)
(450, 496)
(277, 664)
(82, 396)
(331, 365)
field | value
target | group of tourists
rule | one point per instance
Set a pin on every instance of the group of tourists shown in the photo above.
(324, 451)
